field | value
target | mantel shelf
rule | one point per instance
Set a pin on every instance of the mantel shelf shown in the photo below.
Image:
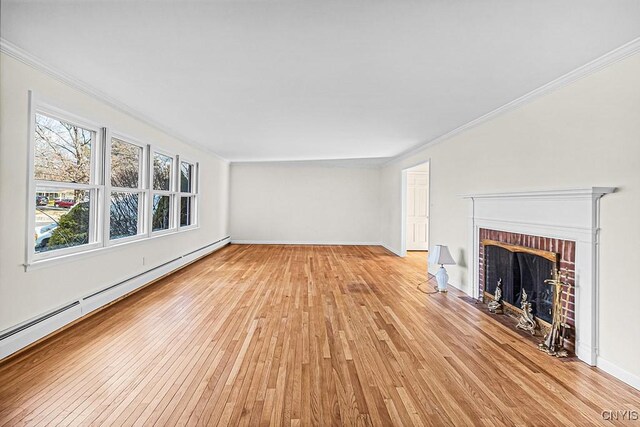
(558, 193)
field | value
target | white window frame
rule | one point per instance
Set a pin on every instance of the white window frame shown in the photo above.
(100, 189)
(195, 182)
(171, 192)
(142, 189)
(95, 186)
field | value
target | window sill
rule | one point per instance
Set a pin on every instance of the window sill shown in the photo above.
(50, 262)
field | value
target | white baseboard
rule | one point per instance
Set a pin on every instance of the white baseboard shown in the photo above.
(27, 333)
(303, 242)
(41, 329)
(313, 242)
(586, 353)
(622, 374)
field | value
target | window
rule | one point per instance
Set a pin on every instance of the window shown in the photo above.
(187, 194)
(91, 188)
(126, 194)
(66, 187)
(162, 200)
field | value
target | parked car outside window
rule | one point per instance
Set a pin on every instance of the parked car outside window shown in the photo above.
(64, 203)
(43, 234)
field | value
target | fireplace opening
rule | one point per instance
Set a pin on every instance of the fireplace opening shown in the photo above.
(519, 268)
(522, 263)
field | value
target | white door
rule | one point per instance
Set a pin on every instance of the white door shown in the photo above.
(417, 211)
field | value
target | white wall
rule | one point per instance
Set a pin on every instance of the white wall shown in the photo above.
(305, 202)
(584, 134)
(24, 295)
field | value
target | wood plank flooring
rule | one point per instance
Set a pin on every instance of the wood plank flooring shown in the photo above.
(299, 335)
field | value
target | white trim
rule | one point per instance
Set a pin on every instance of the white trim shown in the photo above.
(31, 183)
(95, 188)
(53, 185)
(22, 339)
(148, 182)
(172, 226)
(120, 240)
(622, 374)
(172, 179)
(36, 265)
(124, 137)
(195, 166)
(362, 163)
(403, 213)
(49, 108)
(568, 214)
(303, 242)
(544, 194)
(141, 190)
(171, 192)
(403, 206)
(91, 302)
(585, 70)
(315, 243)
(193, 214)
(25, 57)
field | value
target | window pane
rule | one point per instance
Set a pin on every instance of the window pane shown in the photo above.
(186, 173)
(161, 172)
(61, 218)
(125, 164)
(160, 212)
(62, 151)
(123, 219)
(186, 211)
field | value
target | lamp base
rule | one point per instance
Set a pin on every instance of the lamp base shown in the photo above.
(442, 278)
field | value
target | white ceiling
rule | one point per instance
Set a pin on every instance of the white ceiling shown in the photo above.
(300, 80)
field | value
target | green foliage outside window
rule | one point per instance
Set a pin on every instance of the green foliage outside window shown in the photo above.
(73, 228)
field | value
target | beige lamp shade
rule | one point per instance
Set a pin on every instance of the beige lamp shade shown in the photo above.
(440, 254)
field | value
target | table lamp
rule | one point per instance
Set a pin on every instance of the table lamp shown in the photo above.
(440, 254)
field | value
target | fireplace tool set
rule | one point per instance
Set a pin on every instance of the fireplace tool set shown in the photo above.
(526, 322)
(495, 306)
(554, 341)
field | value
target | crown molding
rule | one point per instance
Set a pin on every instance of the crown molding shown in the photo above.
(303, 242)
(589, 68)
(364, 163)
(25, 57)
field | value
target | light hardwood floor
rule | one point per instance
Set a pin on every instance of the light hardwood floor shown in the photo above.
(299, 335)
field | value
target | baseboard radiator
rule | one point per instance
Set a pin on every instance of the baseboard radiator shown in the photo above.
(20, 336)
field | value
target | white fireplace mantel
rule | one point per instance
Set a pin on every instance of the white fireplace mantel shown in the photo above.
(568, 214)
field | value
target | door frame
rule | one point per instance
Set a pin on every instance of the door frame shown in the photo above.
(403, 209)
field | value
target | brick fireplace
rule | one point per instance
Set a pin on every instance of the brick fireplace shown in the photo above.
(565, 222)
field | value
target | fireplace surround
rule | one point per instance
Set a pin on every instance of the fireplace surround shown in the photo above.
(567, 215)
